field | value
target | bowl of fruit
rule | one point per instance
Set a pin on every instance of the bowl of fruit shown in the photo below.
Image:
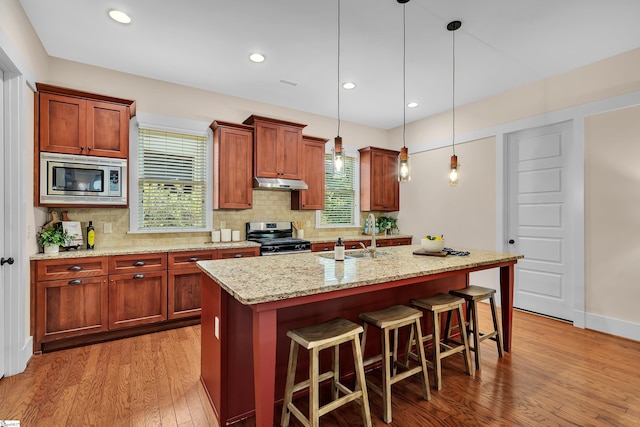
(432, 243)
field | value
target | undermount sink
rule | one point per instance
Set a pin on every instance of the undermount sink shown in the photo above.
(355, 254)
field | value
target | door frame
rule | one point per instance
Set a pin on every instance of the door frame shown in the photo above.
(18, 346)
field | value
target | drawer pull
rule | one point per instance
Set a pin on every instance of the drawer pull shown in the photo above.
(75, 268)
(75, 282)
(237, 256)
(325, 249)
(138, 276)
(139, 263)
(193, 259)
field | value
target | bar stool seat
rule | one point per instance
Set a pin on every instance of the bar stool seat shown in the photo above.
(315, 338)
(391, 319)
(472, 295)
(436, 305)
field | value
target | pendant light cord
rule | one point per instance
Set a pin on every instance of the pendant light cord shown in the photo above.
(453, 94)
(338, 85)
(404, 73)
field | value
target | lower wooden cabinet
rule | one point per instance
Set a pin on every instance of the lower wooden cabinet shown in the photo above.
(137, 299)
(355, 244)
(184, 293)
(237, 253)
(71, 307)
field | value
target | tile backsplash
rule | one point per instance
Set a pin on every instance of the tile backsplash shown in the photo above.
(267, 206)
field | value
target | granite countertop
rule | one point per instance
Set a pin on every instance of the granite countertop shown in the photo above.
(196, 246)
(350, 238)
(266, 279)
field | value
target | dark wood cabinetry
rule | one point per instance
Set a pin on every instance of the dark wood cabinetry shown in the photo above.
(379, 187)
(183, 283)
(137, 298)
(237, 253)
(232, 165)
(75, 122)
(313, 154)
(277, 148)
(355, 244)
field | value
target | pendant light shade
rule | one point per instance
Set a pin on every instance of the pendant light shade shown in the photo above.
(338, 154)
(454, 172)
(404, 168)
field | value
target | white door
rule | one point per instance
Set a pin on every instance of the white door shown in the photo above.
(2, 222)
(538, 220)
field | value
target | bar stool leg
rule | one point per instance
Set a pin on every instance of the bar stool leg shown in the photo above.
(335, 393)
(426, 392)
(476, 332)
(436, 350)
(288, 389)
(496, 324)
(361, 382)
(386, 377)
(314, 404)
(465, 342)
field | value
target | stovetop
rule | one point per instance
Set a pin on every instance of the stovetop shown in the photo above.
(276, 238)
(279, 241)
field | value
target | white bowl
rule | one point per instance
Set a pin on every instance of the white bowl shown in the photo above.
(432, 245)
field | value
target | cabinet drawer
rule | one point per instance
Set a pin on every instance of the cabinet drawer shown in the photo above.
(237, 253)
(71, 307)
(188, 259)
(56, 269)
(138, 262)
(355, 244)
(401, 241)
(322, 247)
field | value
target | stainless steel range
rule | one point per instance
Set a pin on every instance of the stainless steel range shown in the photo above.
(276, 238)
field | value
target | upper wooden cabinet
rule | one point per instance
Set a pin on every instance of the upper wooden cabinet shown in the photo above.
(277, 148)
(74, 122)
(232, 172)
(379, 187)
(312, 173)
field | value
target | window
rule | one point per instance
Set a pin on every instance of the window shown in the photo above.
(341, 195)
(171, 189)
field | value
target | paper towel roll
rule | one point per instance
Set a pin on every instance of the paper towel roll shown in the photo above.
(215, 236)
(235, 235)
(225, 234)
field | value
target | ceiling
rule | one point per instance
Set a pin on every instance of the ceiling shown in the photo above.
(206, 43)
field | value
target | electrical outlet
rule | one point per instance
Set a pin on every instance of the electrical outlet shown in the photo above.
(223, 224)
(308, 223)
(107, 228)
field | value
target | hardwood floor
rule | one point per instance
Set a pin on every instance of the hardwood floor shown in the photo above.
(557, 375)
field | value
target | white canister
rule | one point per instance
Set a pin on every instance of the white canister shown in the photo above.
(225, 234)
(235, 235)
(215, 236)
(300, 234)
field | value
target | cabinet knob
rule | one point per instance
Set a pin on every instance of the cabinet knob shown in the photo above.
(75, 268)
(81, 148)
(193, 259)
(75, 282)
(511, 241)
(325, 249)
(88, 148)
(138, 263)
(138, 276)
(238, 256)
(4, 261)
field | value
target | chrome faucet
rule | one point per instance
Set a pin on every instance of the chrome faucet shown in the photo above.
(372, 227)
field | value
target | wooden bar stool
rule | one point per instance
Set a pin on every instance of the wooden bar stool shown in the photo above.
(316, 338)
(472, 295)
(391, 319)
(436, 305)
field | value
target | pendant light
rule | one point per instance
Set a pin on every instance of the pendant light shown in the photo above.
(338, 154)
(454, 173)
(404, 168)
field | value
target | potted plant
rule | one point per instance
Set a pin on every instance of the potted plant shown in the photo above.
(52, 237)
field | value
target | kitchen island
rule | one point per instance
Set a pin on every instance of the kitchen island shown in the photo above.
(250, 304)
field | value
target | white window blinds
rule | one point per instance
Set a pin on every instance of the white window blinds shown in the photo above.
(171, 180)
(340, 194)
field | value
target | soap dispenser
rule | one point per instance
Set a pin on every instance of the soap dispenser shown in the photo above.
(338, 254)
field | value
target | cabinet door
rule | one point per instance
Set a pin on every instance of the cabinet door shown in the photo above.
(266, 150)
(136, 299)
(62, 124)
(379, 179)
(289, 156)
(237, 253)
(391, 189)
(233, 189)
(67, 308)
(312, 174)
(184, 293)
(379, 187)
(107, 129)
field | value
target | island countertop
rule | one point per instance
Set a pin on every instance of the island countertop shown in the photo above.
(266, 279)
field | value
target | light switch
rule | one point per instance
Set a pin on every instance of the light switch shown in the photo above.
(308, 223)
(107, 228)
(223, 224)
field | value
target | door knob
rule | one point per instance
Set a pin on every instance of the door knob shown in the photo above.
(6, 261)
(511, 241)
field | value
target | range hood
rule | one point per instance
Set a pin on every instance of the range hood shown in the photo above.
(279, 184)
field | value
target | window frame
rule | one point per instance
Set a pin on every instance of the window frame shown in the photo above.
(175, 125)
(348, 152)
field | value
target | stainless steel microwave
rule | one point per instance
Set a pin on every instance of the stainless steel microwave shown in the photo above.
(68, 179)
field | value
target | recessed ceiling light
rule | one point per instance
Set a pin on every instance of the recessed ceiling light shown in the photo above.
(119, 16)
(349, 85)
(257, 57)
(412, 104)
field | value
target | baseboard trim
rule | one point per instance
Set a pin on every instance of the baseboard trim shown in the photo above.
(611, 326)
